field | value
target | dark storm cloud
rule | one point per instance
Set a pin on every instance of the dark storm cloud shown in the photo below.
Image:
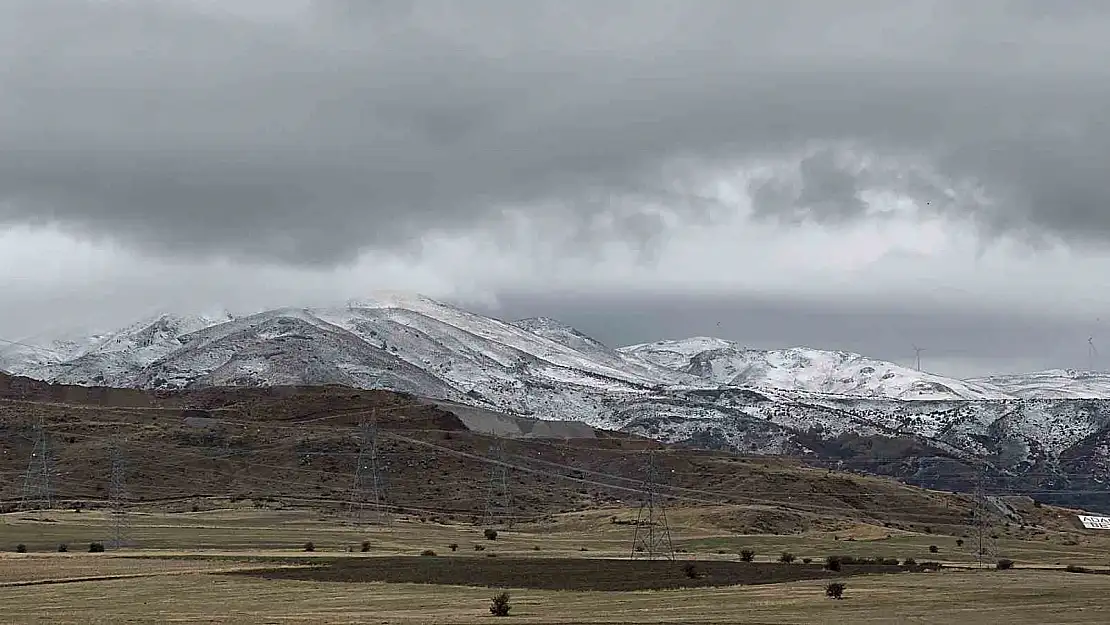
(369, 123)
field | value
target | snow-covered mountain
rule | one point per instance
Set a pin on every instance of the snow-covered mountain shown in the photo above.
(702, 391)
(1052, 384)
(804, 369)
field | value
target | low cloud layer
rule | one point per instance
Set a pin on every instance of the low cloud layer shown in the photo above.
(308, 132)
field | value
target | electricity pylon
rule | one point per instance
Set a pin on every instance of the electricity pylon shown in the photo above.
(117, 493)
(38, 493)
(499, 498)
(652, 535)
(368, 505)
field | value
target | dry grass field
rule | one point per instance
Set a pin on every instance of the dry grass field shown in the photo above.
(249, 566)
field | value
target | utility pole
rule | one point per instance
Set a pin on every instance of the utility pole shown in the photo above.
(499, 499)
(38, 491)
(648, 541)
(368, 494)
(117, 493)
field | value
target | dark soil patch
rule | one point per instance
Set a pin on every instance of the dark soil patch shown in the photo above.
(556, 574)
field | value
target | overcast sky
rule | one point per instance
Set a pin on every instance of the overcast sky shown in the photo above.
(850, 174)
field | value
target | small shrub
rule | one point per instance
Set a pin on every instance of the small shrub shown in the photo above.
(928, 530)
(365, 546)
(930, 566)
(786, 557)
(835, 590)
(453, 546)
(747, 555)
(690, 570)
(499, 604)
(933, 549)
(1004, 564)
(807, 560)
(62, 548)
(959, 542)
(309, 546)
(1036, 504)
(479, 547)
(427, 552)
(21, 548)
(535, 547)
(833, 563)
(1071, 568)
(490, 534)
(887, 561)
(96, 547)
(909, 562)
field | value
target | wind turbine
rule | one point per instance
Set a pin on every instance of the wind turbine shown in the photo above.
(917, 356)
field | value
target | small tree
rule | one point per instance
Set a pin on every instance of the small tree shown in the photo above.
(1004, 564)
(309, 546)
(499, 604)
(747, 555)
(835, 590)
(365, 546)
(690, 570)
(96, 547)
(807, 560)
(427, 552)
(933, 549)
(62, 548)
(21, 548)
(959, 542)
(490, 533)
(909, 562)
(453, 546)
(832, 563)
(786, 557)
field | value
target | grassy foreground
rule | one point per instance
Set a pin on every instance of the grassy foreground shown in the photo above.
(204, 568)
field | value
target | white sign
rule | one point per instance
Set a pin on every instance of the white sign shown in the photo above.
(1095, 522)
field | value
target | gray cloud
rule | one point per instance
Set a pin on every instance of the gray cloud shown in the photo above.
(369, 124)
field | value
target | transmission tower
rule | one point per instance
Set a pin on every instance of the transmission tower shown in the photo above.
(984, 540)
(368, 505)
(38, 491)
(117, 493)
(650, 541)
(499, 499)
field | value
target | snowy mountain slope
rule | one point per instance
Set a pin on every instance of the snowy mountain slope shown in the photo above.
(115, 358)
(568, 336)
(1052, 384)
(799, 368)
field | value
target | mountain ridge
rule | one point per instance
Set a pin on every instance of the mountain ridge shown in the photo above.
(704, 391)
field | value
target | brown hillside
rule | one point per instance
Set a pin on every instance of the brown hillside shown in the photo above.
(297, 447)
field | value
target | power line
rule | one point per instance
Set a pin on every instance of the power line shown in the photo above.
(38, 491)
(647, 541)
(499, 498)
